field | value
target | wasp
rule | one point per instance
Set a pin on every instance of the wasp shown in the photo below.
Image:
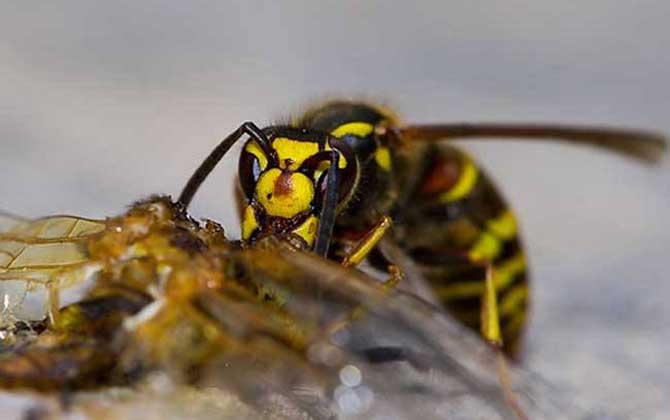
(335, 178)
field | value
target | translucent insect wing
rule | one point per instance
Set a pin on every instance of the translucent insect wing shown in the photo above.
(450, 372)
(33, 252)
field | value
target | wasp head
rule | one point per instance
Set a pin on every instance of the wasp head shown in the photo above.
(284, 180)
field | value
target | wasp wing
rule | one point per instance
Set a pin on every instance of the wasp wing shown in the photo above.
(444, 370)
(643, 145)
(32, 252)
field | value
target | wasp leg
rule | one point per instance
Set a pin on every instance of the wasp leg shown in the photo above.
(357, 254)
(396, 275)
(462, 289)
(367, 244)
(490, 330)
(490, 320)
(506, 384)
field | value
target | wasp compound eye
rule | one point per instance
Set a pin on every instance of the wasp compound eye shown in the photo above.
(253, 162)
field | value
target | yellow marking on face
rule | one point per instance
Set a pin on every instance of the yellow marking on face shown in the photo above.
(486, 248)
(465, 183)
(253, 148)
(294, 151)
(514, 299)
(359, 129)
(284, 194)
(249, 222)
(503, 226)
(383, 158)
(307, 230)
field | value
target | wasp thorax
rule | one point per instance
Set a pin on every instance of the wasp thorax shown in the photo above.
(284, 193)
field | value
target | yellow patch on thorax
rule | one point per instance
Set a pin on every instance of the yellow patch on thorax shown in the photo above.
(383, 158)
(357, 128)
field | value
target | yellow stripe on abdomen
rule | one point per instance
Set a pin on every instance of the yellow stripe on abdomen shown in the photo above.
(466, 181)
(504, 274)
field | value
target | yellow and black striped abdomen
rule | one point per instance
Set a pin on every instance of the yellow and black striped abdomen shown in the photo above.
(454, 224)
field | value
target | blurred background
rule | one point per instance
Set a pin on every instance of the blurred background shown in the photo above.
(103, 103)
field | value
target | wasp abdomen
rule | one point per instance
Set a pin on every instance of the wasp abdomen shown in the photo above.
(454, 225)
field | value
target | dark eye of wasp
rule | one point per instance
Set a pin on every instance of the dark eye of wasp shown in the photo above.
(249, 169)
(316, 167)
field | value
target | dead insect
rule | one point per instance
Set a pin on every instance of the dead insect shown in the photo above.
(168, 295)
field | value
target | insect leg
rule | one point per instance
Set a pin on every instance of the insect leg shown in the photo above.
(367, 244)
(358, 254)
(490, 321)
(217, 154)
(490, 330)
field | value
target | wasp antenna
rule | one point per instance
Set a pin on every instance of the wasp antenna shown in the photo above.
(215, 157)
(327, 220)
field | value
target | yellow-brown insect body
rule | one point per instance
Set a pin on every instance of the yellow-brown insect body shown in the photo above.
(162, 281)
